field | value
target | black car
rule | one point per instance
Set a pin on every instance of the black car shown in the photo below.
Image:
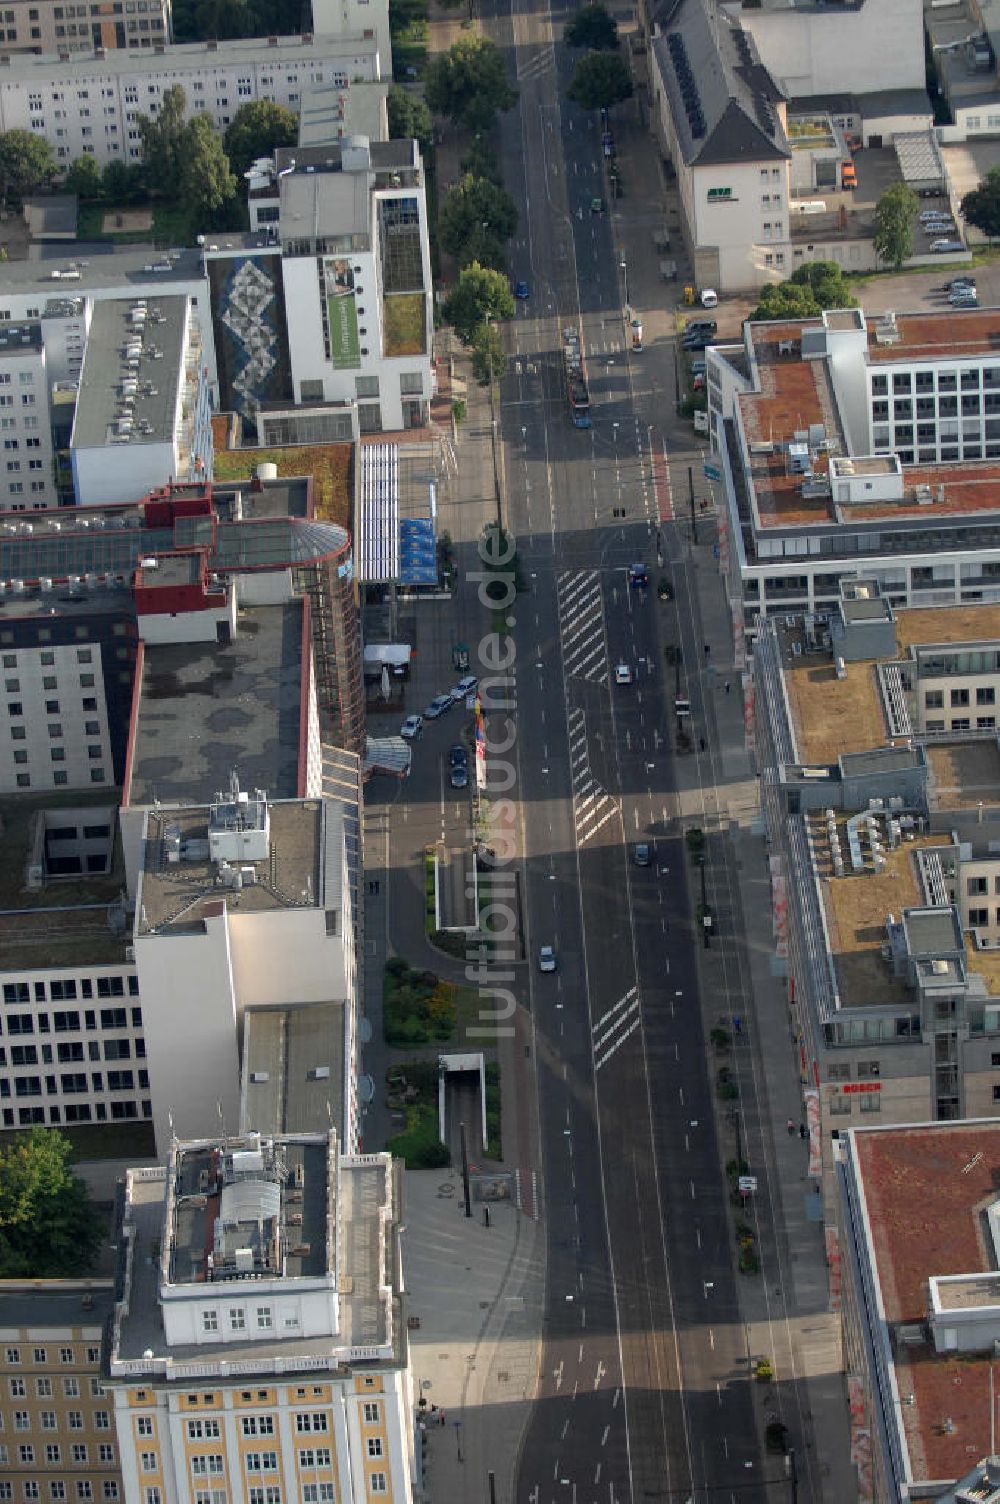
(700, 341)
(638, 576)
(697, 326)
(458, 757)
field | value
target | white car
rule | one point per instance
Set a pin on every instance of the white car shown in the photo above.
(546, 958)
(709, 298)
(943, 247)
(623, 674)
(412, 727)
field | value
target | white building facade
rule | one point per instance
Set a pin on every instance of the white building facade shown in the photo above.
(93, 109)
(357, 283)
(27, 476)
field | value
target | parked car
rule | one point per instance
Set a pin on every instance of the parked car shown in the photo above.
(546, 958)
(698, 367)
(926, 214)
(957, 282)
(700, 341)
(412, 727)
(972, 302)
(945, 247)
(709, 298)
(463, 688)
(696, 326)
(437, 707)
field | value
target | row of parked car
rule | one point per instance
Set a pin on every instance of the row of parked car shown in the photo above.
(940, 229)
(413, 726)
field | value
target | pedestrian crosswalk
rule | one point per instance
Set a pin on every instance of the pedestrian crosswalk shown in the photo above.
(581, 625)
(593, 806)
(535, 61)
(615, 1026)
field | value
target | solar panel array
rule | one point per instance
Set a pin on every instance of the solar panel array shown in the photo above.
(687, 83)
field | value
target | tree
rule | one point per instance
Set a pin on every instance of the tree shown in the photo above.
(256, 129)
(482, 162)
(813, 287)
(48, 1228)
(894, 213)
(468, 83)
(479, 295)
(601, 79)
(163, 143)
(592, 27)
(27, 163)
(409, 118)
(206, 182)
(981, 207)
(85, 179)
(122, 181)
(476, 219)
(489, 363)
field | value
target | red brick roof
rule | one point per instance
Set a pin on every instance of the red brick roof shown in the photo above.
(926, 1190)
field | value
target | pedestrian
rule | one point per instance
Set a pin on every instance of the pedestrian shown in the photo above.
(790, 1125)
(708, 649)
(441, 1420)
(727, 686)
(803, 1131)
(701, 743)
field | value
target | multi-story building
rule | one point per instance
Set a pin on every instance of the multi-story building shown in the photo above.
(61, 297)
(721, 120)
(42, 26)
(93, 109)
(143, 412)
(850, 47)
(882, 822)
(351, 220)
(57, 1425)
(352, 18)
(917, 1214)
(258, 1348)
(27, 479)
(153, 649)
(854, 447)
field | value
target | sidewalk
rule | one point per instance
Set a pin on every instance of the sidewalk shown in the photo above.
(787, 1307)
(477, 1294)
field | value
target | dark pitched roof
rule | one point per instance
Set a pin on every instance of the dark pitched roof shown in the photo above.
(721, 96)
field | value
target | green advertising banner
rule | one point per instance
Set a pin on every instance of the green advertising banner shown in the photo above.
(342, 316)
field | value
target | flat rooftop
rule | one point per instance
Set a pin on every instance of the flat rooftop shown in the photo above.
(70, 274)
(857, 906)
(60, 1304)
(178, 897)
(795, 393)
(925, 1192)
(963, 775)
(66, 921)
(357, 1227)
(293, 1068)
(205, 709)
(180, 58)
(132, 371)
(833, 717)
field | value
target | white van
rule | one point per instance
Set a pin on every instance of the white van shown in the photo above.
(709, 298)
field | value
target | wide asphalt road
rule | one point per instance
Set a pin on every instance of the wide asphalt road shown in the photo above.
(642, 1336)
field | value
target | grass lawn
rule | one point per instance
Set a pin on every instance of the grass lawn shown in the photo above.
(172, 226)
(418, 1143)
(404, 324)
(111, 1140)
(330, 466)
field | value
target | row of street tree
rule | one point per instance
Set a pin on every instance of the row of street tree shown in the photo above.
(468, 86)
